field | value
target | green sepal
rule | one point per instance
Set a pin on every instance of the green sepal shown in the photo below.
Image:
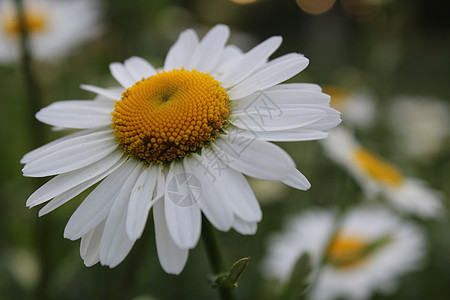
(229, 280)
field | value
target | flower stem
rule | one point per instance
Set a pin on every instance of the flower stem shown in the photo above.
(215, 258)
(31, 84)
(344, 190)
(38, 138)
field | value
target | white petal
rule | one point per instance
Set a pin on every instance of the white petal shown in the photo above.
(181, 52)
(326, 123)
(288, 135)
(208, 51)
(213, 201)
(64, 182)
(72, 155)
(43, 150)
(115, 243)
(70, 194)
(160, 184)
(255, 158)
(121, 74)
(277, 98)
(244, 227)
(182, 212)
(139, 68)
(269, 75)
(97, 205)
(231, 187)
(90, 245)
(296, 86)
(231, 55)
(141, 200)
(297, 180)
(113, 94)
(270, 118)
(76, 138)
(171, 258)
(250, 61)
(77, 114)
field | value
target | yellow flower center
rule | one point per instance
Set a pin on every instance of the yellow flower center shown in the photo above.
(376, 168)
(34, 22)
(347, 251)
(167, 116)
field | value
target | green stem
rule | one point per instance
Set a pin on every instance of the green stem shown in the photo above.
(215, 258)
(38, 138)
(344, 191)
(31, 84)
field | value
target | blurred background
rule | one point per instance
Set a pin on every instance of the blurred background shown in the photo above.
(380, 51)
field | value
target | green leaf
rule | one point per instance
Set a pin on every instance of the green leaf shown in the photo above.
(299, 279)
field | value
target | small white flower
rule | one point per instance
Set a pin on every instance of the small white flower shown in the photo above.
(358, 108)
(54, 27)
(378, 177)
(178, 141)
(421, 125)
(369, 251)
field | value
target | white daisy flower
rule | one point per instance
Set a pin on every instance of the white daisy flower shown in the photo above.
(179, 141)
(54, 27)
(421, 125)
(358, 108)
(378, 177)
(368, 252)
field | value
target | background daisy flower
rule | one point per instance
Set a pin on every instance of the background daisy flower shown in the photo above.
(177, 140)
(54, 27)
(421, 125)
(370, 249)
(358, 108)
(378, 177)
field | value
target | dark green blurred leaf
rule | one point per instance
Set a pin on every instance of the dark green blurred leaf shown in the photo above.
(299, 279)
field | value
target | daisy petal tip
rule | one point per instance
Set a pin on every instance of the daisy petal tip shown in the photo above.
(84, 86)
(89, 263)
(277, 40)
(222, 27)
(132, 233)
(297, 180)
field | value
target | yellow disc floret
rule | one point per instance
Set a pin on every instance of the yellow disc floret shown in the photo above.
(34, 22)
(167, 116)
(376, 168)
(346, 251)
